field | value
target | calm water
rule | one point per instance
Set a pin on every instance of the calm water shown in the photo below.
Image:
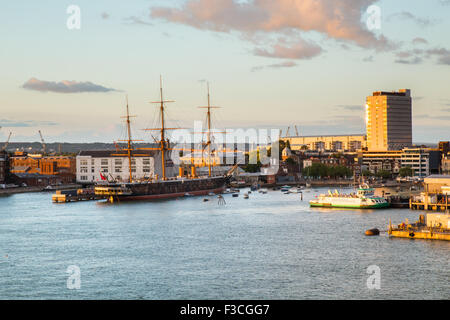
(271, 246)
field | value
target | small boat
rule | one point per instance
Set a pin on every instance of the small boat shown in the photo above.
(285, 188)
(235, 195)
(308, 185)
(187, 194)
(245, 195)
(263, 191)
(211, 194)
(363, 199)
(295, 190)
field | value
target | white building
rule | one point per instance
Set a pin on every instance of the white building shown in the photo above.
(91, 163)
(423, 161)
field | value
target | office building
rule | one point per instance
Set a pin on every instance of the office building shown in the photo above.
(389, 120)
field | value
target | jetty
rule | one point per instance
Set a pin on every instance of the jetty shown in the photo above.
(434, 227)
(430, 201)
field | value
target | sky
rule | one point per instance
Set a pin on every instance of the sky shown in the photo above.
(270, 64)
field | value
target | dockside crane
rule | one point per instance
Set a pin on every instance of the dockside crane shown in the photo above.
(7, 142)
(296, 130)
(43, 142)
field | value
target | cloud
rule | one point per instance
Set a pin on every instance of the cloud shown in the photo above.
(416, 60)
(137, 20)
(64, 86)
(28, 123)
(300, 50)
(286, 64)
(339, 20)
(403, 54)
(419, 40)
(442, 54)
(353, 107)
(404, 15)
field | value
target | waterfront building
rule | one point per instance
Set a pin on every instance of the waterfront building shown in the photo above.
(389, 120)
(445, 164)
(44, 165)
(423, 161)
(376, 161)
(436, 183)
(444, 147)
(4, 166)
(340, 143)
(92, 165)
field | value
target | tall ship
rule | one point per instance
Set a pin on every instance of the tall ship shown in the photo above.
(163, 187)
(364, 198)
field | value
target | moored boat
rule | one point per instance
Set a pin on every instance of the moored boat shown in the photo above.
(364, 198)
(164, 187)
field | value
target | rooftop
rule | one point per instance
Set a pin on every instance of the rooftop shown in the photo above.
(114, 153)
(438, 176)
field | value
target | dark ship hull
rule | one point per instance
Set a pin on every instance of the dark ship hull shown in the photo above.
(162, 189)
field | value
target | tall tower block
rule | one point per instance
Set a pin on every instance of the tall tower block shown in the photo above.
(389, 120)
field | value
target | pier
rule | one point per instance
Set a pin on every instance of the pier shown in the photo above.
(434, 227)
(430, 202)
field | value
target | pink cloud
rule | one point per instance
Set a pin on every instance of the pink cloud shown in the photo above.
(338, 19)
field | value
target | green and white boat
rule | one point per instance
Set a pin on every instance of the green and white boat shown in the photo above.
(364, 198)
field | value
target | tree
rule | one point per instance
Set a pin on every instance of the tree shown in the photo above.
(320, 170)
(366, 173)
(251, 167)
(290, 161)
(406, 172)
(384, 174)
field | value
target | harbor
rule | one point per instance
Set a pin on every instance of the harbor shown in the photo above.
(269, 246)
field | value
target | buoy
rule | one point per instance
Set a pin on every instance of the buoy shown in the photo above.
(372, 232)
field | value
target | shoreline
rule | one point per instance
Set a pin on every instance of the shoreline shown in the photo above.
(37, 189)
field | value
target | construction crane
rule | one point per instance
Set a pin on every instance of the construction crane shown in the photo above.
(287, 131)
(7, 142)
(296, 130)
(43, 142)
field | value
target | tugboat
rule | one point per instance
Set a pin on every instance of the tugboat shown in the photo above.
(363, 199)
(163, 187)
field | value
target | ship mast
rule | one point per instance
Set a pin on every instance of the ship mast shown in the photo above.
(163, 163)
(129, 143)
(162, 143)
(208, 119)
